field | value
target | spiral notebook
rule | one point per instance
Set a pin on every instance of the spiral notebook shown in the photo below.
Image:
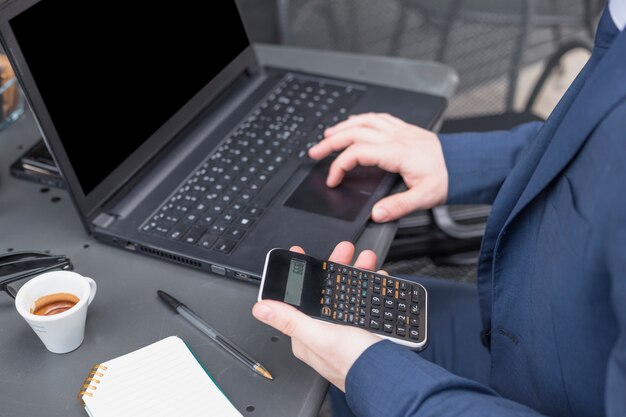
(161, 379)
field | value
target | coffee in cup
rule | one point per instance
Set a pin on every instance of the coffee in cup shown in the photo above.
(52, 304)
(55, 304)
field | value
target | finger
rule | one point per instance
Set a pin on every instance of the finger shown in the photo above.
(382, 272)
(342, 140)
(398, 205)
(361, 154)
(343, 253)
(366, 260)
(372, 120)
(396, 122)
(287, 320)
(296, 249)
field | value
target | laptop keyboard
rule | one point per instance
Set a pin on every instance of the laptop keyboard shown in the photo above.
(220, 202)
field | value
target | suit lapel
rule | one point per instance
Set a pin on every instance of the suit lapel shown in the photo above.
(603, 89)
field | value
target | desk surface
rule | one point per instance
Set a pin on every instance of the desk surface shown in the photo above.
(126, 314)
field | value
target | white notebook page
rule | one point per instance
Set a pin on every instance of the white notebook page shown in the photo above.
(161, 379)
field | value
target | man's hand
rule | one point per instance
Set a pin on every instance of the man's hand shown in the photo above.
(395, 146)
(330, 349)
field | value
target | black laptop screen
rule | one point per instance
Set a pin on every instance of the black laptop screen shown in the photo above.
(112, 73)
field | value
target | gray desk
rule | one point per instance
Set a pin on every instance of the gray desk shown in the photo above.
(126, 315)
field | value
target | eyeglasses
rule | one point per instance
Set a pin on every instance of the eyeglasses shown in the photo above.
(16, 266)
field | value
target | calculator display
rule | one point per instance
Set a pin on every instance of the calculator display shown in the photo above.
(295, 280)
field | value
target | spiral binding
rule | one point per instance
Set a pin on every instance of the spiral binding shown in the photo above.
(90, 383)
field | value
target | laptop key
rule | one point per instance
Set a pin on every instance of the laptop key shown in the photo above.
(224, 245)
(194, 233)
(178, 231)
(206, 241)
(244, 222)
(235, 232)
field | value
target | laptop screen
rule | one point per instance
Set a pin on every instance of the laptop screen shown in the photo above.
(112, 73)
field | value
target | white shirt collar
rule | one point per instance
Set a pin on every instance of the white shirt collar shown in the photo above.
(617, 8)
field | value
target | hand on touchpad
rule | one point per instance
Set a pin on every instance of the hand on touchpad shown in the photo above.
(344, 201)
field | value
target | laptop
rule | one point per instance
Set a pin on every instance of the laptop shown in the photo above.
(173, 141)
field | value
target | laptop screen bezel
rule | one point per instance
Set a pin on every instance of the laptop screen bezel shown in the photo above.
(89, 204)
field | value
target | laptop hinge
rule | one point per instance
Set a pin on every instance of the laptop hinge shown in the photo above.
(253, 70)
(103, 220)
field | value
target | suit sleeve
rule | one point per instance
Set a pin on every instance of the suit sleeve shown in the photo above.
(478, 163)
(389, 380)
(616, 367)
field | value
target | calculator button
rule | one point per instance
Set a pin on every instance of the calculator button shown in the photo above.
(402, 286)
(391, 282)
(401, 319)
(377, 280)
(414, 322)
(375, 312)
(352, 309)
(388, 327)
(342, 288)
(326, 311)
(352, 300)
(351, 318)
(362, 321)
(354, 282)
(375, 300)
(375, 324)
(327, 300)
(341, 306)
(414, 333)
(389, 303)
(364, 284)
(353, 291)
(363, 302)
(344, 271)
(402, 295)
(331, 267)
(402, 306)
(415, 309)
(401, 331)
(340, 315)
(388, 315)
(342, 297)
(415, 295)
(376, 289)
(343, 279)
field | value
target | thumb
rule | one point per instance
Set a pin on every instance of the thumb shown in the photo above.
(398, 205)
(282, 317)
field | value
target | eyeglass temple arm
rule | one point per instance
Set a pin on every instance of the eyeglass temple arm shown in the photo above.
(66, 264)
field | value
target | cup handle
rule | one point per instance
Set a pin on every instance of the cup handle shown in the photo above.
(92, 292)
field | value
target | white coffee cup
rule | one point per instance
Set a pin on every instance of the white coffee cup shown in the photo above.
(62, 332)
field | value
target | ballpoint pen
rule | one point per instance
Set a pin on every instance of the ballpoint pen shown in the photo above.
(204, 327)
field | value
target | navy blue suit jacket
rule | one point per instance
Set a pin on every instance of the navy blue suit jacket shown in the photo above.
(552, 269)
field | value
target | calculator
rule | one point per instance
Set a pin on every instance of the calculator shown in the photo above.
(390, 307)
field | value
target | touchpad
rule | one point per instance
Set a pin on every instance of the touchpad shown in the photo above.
(344, 201)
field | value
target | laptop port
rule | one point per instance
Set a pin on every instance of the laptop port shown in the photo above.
(131, 246)
(241, 275)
